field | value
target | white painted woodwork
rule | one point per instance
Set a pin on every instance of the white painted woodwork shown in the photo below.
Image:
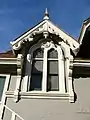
(61, 72)
(3, 99)
(13, 117)
(45, 27)
(25, 84)
(44, 81)
(16, 92)
(71, 93)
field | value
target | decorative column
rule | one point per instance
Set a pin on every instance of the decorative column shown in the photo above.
(70, 81)
(27, 77)
(61, 72)
(16, 92)
(67, 72)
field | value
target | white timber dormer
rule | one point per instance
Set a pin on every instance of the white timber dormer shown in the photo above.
(45, 62)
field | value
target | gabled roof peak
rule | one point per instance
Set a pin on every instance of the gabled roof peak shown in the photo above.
(46, 15)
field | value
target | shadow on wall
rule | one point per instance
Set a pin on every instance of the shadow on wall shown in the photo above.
(83, 72)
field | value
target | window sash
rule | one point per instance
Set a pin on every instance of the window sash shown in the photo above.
(46, 58)
(36, 71)
(3, 99)
(5, 86)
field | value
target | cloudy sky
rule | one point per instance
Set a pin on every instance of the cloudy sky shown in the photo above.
(17, 16)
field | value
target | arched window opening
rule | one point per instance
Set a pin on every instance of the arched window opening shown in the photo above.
(37, 69)
(47, 70)
(52, 71)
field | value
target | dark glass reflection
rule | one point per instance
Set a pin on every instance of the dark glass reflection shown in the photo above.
(2, 82)
(37, 68)
(52, 71)
(52, 53)
(38, 53)
(36, 77)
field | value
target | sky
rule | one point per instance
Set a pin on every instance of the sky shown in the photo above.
(17, 16)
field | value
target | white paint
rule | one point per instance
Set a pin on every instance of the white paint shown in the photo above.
(9, 61)
(63, 65)
(45, 27)
(3, 95)
(13, 117)
(44, 80)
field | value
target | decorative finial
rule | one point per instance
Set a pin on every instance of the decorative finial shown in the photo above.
(46, 17)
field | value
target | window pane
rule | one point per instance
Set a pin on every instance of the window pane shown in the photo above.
(52, 67)
(2, 81)
(52, 53)
(38, 53)
(53, 83)
(52, 76)
(37, 66)
(36, 82)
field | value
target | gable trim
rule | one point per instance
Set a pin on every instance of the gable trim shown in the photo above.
(44, 27)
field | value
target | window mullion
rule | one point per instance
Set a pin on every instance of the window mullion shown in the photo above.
(44, 81)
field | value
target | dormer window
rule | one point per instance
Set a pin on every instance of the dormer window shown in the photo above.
(48, 73)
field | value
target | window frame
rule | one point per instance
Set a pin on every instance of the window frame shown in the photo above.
(6, 85)
(66, 84)
(60, 58)
(52, 59)
(46, 47)
(3, 98)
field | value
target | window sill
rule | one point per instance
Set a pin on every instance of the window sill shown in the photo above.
(40, 95)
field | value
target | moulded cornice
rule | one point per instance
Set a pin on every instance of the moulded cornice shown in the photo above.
(8, 60)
